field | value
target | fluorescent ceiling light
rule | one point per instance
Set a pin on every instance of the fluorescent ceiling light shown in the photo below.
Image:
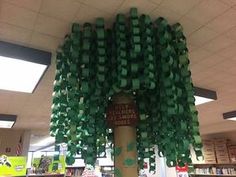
(204, 95)
(202, 100)
(232, 118)
(230, 115)
(7, 121)
(21, 68)
(19, 75)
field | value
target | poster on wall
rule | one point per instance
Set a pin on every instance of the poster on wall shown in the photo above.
(12, 166)
(49, 164)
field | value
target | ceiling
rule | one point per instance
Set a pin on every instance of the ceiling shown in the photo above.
(209, 25)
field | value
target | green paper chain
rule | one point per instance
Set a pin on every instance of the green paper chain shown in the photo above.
(146, 59)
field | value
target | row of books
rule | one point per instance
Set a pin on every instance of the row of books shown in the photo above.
(216, 170)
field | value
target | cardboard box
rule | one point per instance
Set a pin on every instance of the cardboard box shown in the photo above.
(223, 151)
(223, 160)
(232, 153)
(208, 143)
(209, 154)
(220, 146)
(220, 141)
(210, 161)
(208, 149)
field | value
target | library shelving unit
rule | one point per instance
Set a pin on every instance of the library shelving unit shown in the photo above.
(201, 170)
(72, 171)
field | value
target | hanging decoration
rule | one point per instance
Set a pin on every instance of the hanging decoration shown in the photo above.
(147, 59)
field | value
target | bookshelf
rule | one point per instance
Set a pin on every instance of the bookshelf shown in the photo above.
(227, 169)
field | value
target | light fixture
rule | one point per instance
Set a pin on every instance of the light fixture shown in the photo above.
(21, 68)
(230, 115)
(202, 95)
(7, 121)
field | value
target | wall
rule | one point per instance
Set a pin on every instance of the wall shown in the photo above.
(9, 139)
(228, 135)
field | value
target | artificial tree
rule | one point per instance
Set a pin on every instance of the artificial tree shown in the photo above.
(145, 59)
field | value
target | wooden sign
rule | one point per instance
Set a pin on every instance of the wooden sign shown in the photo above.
(122, 115)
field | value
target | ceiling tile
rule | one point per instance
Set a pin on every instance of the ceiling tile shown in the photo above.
(224, 22)
(61, 9)
(225, 65)
(88, 14)
(45, 42)
(218, 43)
(209, 62)
(156, 1)
(229, 2)
(198, 55)
(13, 101)
(191, 48)
(168, 14)
(33, 5)
(145, 7)
(51, 26)
(201, 36)
(179, 6)
(189, 25)
(17, 16)
(231, 33)
(4, 103)
(199, 79)
(232, 71)
(207, 10)
(228, 52)
(109, 6)
(13, 33)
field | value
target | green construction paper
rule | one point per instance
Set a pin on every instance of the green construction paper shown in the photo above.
(101, 77)
(123, 83)
(90, 149)
(135, 84)
(101, 51)
(73, 128)
(131, 146)
(136, 39)
(101, 69)
(85, 58)
(124, 72)
(137, 48)
(75, 28)
(117, 151)
(101, 59)
(129, 162)
(133, 12)
(70, 160)
(135, 22)
(100, 33)
(144, 135)
(142, 117)
(85, 87)
(85, 72)
(86, 45)
(197, 139)
(135, 30)
(99, 22)
(117, 172)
